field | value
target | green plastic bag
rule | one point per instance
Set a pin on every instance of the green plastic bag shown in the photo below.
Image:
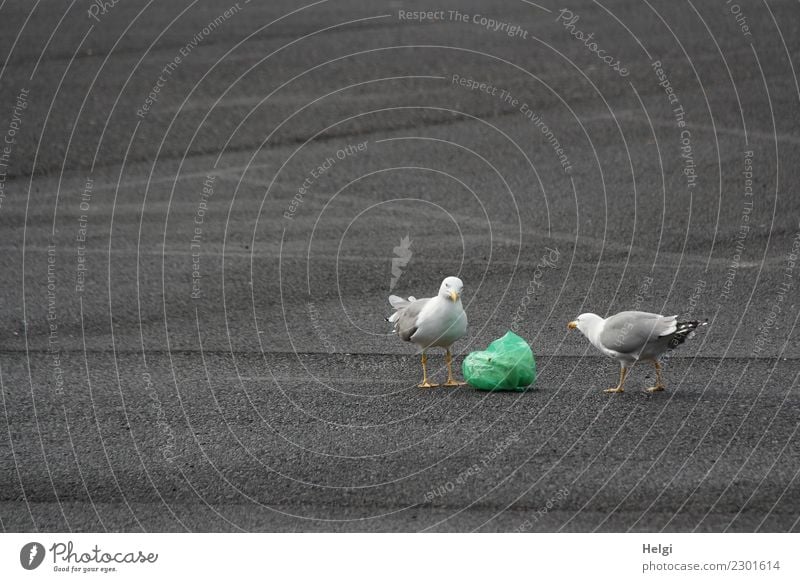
(507, 364)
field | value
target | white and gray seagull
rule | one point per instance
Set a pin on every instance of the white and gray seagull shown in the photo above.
(630, 336)
(432, 322)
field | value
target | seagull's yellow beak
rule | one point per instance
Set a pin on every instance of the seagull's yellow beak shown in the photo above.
(454, 296)
(572, 325)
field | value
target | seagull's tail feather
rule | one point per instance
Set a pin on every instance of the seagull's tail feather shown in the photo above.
(397, 302)
(685, 329)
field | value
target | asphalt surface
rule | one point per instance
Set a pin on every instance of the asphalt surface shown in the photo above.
(190, 341)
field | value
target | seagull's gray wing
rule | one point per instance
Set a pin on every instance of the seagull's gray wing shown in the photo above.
(628, 332)
(406, 325)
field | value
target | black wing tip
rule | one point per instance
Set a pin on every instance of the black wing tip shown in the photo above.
(685, 329)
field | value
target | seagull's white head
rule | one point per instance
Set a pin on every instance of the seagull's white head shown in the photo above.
(451, 289)
(585, 322)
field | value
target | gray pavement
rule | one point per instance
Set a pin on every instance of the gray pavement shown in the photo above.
(195, 280)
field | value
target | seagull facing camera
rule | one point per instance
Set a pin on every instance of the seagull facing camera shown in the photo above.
(432, 322)
(630, 336)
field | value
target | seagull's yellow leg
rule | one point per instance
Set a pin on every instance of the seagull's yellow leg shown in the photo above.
(450, 380)
(618, 388)
(425, 383)
(659, 383)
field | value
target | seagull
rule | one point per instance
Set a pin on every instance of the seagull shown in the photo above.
(432, 322)
(630, 336)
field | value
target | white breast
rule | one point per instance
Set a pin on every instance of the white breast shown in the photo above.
(440, 323)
